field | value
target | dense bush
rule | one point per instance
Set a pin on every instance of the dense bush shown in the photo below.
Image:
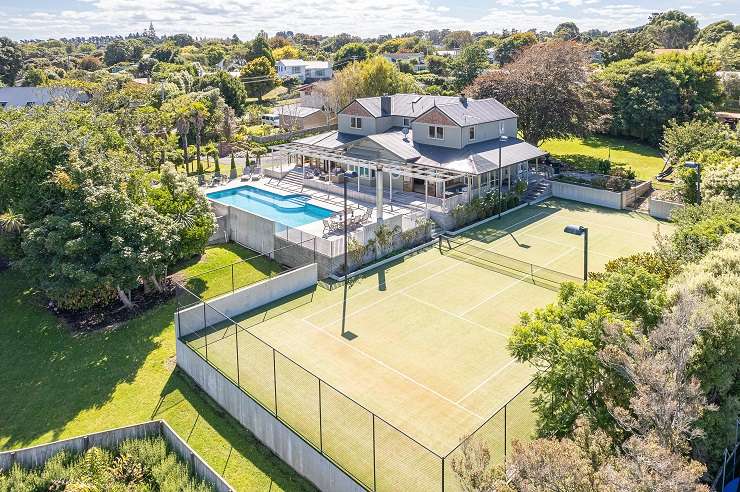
(136, 465)
(480, 208)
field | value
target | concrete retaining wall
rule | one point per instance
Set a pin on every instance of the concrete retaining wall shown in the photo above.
(36, 456)
(661, 209)
(245, 299)
(585, 194)
(251, 231)
(285, 443)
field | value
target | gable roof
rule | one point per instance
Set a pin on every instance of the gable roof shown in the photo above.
(469, 112)
(295, 110)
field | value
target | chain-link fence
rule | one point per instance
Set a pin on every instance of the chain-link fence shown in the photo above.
(375, 453)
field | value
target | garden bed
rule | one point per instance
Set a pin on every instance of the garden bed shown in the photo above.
(113, 314)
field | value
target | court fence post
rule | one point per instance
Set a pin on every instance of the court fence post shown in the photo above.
(321, 430)
(236, 333)
(205, 329)
(443, 474)
(232, 278)
(274, 378)
(375, 480)
(506, 425)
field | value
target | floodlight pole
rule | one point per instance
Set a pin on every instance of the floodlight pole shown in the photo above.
(502, 139)
(581, 231)
(585, 253)
(697, 166)
(345, 175)
(346, 267)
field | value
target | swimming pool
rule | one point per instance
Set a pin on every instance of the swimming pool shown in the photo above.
(290, 210)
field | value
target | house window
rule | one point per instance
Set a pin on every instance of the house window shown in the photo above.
(436, 132)
(407, 122)
(319, 73)
(355, 122)
(472, 133)
(296, 69)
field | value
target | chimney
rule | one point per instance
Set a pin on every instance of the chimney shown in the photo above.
(463, 99)
(385, 105)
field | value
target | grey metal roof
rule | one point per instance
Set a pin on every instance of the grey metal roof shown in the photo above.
(475, 111)
(295, 110)
(469, 112)
(15, 97)
(475, 159)
(329, 140)
(401, 147)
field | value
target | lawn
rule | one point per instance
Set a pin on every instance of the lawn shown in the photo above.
(56, 385)
(645, 160)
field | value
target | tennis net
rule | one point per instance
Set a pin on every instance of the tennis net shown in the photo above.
(465, 250)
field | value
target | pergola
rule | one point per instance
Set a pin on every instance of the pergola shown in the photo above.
(430, 174)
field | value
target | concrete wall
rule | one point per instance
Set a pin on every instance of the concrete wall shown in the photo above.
(36, 456)
(285, 443)
(252, 231)
(604, 198)
(245, 299)
(661, 209)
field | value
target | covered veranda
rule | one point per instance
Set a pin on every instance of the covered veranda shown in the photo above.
(382, 173)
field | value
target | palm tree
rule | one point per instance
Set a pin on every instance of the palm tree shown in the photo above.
(199, 114)
(182, 123)
(11, 222)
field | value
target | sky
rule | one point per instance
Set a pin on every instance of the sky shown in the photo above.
(41, 19)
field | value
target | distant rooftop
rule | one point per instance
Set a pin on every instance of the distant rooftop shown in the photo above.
(310, 64)
(15, 97)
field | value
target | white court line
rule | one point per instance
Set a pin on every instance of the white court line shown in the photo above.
(569, 246)
(475, 323)
(385, 298)
(400, 373)
(496, 373)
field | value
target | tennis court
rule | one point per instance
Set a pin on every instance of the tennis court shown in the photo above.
(427, 351)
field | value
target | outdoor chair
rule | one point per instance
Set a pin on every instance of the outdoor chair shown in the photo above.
(247, 174)
(257, 174)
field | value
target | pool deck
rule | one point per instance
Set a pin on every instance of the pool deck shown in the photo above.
(317, 198)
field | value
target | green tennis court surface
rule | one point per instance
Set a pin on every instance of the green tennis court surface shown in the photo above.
(429, 354)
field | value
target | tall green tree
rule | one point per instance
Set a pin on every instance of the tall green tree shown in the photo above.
(567, 31)
(231, 89)
(552, 79)
(350, 52)
(468, 65)
(673, 29)
(259, 48)
(11, 61)
(116, 52)
(259, 77)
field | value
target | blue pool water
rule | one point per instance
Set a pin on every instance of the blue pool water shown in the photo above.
(290, 210)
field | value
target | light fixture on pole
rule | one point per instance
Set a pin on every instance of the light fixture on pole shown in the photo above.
(697, 167)
(346, 174)
(581, 231)
(502, 139)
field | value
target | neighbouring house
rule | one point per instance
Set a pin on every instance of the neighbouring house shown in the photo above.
(297, 117)
(314, 95)
(415, 59)
(446, 150)
(448, 53)
(18, 97)
(304, 71)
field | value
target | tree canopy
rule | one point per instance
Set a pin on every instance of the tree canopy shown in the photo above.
(550, 88)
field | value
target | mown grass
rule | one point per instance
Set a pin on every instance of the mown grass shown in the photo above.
(56, 385)
(645, 160)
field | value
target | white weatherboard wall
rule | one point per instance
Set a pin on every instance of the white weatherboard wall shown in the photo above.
(285, 443)
(245, 299)
(585, 194)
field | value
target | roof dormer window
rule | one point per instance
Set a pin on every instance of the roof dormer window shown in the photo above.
(355, 122)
